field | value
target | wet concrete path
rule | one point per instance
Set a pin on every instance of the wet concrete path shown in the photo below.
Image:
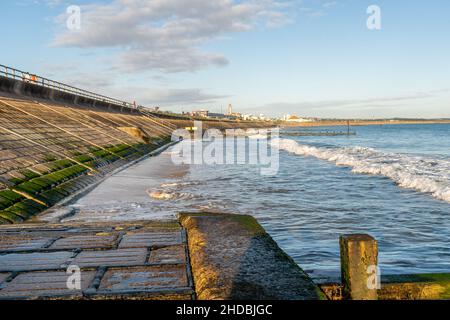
(142, 260)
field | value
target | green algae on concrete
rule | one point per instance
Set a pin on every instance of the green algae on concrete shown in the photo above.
(33, 193)
(435, 286)
(416, 286)
(232, 257)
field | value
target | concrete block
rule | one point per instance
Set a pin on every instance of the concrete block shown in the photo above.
(33, 261)
(44, 284)
(150, 239)
(232, 257)
(86, 242)
(359, 258)
(22, 243)
(168, 255)
(110, 258)
(144, 279)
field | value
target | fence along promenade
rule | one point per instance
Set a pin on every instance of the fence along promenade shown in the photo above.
(27, 77)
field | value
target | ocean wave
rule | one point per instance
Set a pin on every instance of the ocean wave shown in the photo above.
(427, 175)
(165, 196)
(170, 185)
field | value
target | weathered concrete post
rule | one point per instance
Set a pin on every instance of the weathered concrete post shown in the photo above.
(359, 260)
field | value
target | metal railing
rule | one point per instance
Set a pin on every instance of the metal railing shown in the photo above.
(44, 82)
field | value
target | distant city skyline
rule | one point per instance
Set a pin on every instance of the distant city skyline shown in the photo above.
(311, 58)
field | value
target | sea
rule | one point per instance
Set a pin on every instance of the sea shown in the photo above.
(389, 181)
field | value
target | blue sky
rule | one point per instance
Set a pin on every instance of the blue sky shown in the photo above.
(311, 57)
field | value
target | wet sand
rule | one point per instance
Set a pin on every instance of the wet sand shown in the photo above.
(126, 194)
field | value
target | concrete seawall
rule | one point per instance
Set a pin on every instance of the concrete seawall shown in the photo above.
(35, 91)
(54, 144)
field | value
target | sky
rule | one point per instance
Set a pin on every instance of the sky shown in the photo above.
(312, 58)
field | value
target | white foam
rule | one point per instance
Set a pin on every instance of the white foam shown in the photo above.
(423, 174)
(164, 196)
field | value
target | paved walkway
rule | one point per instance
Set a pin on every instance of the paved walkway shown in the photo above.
(118, 260)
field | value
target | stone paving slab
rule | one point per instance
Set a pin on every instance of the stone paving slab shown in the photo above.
(137, 260)
(168, 255)
(153, 239)
(111, 258)
(45, 284)
(34, 261)
(144, 279)
(100, 241)
(23, 243)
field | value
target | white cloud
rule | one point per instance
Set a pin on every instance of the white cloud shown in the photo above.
(170, 97)
(168, 35)
(357, 107)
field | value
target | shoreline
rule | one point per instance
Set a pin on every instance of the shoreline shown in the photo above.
(344, 123)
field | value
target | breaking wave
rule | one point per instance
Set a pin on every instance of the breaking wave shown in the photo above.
(165, 196)
(422, 174)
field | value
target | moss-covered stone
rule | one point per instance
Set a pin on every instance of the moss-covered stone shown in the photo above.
(83, 158)
(416, 286)
(29, 174)
(50, 158)
(38, 206)
(63, 178)
(5, 203)
(22, 210)
(29, 187)
(61, 164)
(43, 182)
(11, 196)
(52, 196)
(16, 181)
(4, 221)
(10, 217)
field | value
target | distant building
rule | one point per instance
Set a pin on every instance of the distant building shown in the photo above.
(230, 110)
(222, 116)
(200, 113)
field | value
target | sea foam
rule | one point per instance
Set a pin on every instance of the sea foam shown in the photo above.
(420, 173)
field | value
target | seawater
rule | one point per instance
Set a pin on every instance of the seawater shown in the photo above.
(390, 181)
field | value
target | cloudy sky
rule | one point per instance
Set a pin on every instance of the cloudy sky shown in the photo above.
(306, 57)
